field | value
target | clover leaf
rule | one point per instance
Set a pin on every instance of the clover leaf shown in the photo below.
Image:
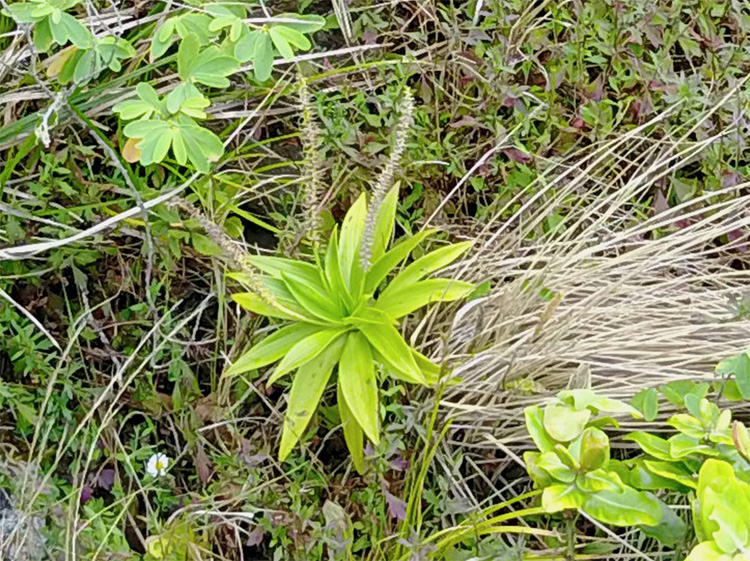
(52, 23)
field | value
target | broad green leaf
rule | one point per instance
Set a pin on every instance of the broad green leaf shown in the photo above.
(257, 305)
(585, 398)
(86, 67)
(306, 350)
(651, 445)
(551, 463)
(594, 449)
(426, 265)
(415, 296)
(358, 382)
(209, 67)
(384, 224)
(43, 36)
(644, 479)
(352, 432)
(671, 528)
(724, 502)
(563, 423)
(187, 54)
(707, 551)
(272, 348)
(380, 268)
(162, 39)
(78, 33)
(392, 348)
(561, 497)
(540, 477)
(687, 424)
(600, 480)
(194, 23)
(263, 58)
(350, 243)
(430, 370)
(676, 391)
(535, 426)
(674, 471)
(682, 445)
(307, 389)
(245, 48)
(739, 367)
(647, 402)
(146, 127)
(627, 507)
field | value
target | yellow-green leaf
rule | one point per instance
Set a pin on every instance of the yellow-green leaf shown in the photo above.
(417, 295)
(307, 388)
(353, 434)
(423, 266)
(272, 348)
(358, 383)
(306, 350)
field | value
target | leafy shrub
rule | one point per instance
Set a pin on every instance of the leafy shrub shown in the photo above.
(341, 318)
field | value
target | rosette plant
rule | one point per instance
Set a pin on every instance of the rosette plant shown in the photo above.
(341, 315)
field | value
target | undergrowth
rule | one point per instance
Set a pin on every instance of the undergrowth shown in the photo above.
(592, 154)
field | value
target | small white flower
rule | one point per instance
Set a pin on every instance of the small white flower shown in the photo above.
(157, 465)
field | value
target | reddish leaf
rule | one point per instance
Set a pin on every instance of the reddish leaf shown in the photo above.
(517, 155)
(578, 123)
(396, 507)
(106, 479)
(87, 493)
(256, 537)
(202, 464)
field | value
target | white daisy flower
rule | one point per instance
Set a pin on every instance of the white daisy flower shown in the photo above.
(157, 465)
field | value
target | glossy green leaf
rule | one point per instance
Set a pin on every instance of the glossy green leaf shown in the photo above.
(271, 348)
(563, 423)
(627, 507)
(380, 268)
(358, 382)
(333, 270)
(415, 296)
(279, 266)
(674, 471)
(589, 399)
(426, 265)
(688, 425)
(285, 298)
(594, 449)
(670, 530)
(739, 367)
(306, 350)
(534, 417)
(651, 444)
(561, 497)
(353, 434)
(708, 551)
(647, 402)
(307, 389)
(551, 463)
(540, 476)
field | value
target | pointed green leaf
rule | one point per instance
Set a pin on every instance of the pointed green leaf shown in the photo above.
(272, 348)
(350, 243)
(306, 350)
(353, 434)
(426, 265)
(307, 389)
(333, 270)
(412, 297)
(380, 268)
(392, 348)
(257, 305)
(319, 304)
(651, 444)
(357, 376)
(384, 224)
